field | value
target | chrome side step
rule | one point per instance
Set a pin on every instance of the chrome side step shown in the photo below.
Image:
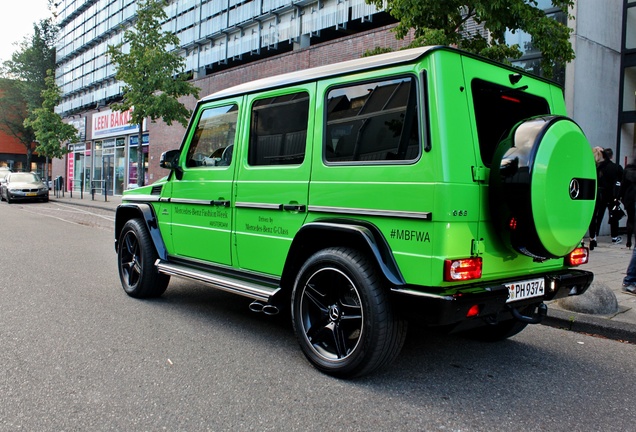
(246, 289)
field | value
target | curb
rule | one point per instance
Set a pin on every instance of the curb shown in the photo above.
(583, 323)
(83, 204)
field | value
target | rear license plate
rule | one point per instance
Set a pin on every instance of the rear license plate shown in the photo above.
(525, 289)
(31, 194)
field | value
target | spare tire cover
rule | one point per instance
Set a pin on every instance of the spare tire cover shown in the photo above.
(543, 187)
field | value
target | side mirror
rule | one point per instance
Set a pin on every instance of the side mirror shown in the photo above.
(169, 159)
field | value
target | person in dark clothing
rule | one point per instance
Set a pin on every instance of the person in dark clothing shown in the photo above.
(609, 176)
(628, 198)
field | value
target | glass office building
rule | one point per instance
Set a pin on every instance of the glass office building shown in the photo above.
(212, 34)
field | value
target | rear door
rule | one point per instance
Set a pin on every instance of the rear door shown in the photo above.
(273, 176)
(498, 100)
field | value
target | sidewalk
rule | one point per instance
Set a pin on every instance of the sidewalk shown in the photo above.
(608, 262)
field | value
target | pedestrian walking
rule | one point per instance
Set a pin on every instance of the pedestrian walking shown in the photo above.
(609, 176)
(628, 198)
(629, 281)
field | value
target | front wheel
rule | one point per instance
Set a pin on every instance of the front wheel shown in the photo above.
(343, 320)
(136, 257)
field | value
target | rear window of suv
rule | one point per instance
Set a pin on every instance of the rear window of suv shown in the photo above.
(497, 110)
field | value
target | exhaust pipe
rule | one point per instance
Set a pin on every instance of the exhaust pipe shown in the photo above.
(267, 309)
(535, 318)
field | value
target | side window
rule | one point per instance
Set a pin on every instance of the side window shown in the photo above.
(373, 122)
(278, 130)
(213, 139)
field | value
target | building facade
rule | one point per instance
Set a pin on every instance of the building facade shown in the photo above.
(215, 35)
(227, 42)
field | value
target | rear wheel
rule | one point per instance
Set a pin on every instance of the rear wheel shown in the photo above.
(341, 314)
(136, 257)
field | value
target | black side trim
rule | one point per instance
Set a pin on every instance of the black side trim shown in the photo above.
(311, 235)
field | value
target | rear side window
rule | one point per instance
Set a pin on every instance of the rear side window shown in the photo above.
(213, 139)
(497, 110)
(373, 122)
(278, 130)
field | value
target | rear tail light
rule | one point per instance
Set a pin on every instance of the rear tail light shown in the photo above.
(462, 269)
(577, 257)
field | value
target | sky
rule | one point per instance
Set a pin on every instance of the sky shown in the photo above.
(16, 21)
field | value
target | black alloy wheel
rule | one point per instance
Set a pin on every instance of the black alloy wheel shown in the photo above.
(136, 257)
(341, 314)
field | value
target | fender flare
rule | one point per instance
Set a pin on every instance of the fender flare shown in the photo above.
(316, 235)
(128, 211)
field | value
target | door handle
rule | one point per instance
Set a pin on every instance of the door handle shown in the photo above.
(221, 203)
(293, 207)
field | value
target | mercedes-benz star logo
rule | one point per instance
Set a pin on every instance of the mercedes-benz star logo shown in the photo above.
(575, 189)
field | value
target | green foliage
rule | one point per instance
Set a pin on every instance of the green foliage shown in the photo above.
(436, 22)
(376, 51)
(30, 63)
(24, 79)
(50, 130)
(149, 70)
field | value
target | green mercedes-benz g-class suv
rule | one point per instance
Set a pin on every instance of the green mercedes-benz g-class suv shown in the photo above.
(427, 182)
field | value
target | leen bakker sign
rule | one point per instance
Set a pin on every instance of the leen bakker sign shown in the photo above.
(110, 123)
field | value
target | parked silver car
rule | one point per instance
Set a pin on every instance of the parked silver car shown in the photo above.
(3, 173)
(23, 186)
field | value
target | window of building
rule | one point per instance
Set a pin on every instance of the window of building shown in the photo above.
(278, 130)
(373, 122)
(213, 138)
(530, 60)
(630, 27)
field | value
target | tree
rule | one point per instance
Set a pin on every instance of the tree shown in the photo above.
(151, 73)
(436, 22)
(50, 130)
(13, 111)
(30, 63)
(24, 81)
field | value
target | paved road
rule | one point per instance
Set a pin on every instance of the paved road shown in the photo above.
(78, 354)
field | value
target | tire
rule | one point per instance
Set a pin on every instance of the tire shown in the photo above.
(341, 315)
(136, 257)
(542, 187)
